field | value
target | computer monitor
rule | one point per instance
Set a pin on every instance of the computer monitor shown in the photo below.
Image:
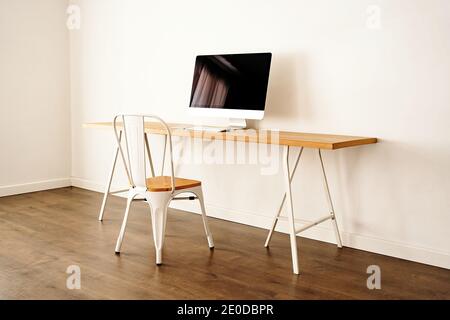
(230, 85)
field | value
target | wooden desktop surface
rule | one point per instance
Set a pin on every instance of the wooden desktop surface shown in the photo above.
(296, 139)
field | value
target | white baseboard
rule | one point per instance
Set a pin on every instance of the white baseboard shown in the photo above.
(34, 186)
(323, 232)
(90, 185)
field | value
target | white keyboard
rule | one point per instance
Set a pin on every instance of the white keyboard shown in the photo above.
(208, 129)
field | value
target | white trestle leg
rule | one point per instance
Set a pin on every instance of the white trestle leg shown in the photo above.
(287, 199)
(290, 209)
(110, 177)
(330, 202)
(275, 220)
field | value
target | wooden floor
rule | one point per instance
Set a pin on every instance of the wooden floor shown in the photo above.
(42, 233)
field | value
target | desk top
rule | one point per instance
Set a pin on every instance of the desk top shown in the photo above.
(295, 139)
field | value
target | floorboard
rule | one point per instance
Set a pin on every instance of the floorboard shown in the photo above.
(43, 233)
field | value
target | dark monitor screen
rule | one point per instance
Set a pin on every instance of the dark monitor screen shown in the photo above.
(231, 81)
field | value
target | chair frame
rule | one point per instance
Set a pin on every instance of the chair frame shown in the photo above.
(158, 201)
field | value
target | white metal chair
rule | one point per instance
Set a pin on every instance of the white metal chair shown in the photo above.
(157, 191)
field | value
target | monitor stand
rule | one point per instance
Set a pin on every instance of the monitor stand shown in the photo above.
(236, 124)
(233, 124)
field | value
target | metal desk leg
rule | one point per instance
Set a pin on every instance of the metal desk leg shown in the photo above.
(330, 203)
(275, 220)
(108, 185)
(290, 207)
(287, 198)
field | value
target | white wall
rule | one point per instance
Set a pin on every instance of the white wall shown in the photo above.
(330, 73)
(34, 96)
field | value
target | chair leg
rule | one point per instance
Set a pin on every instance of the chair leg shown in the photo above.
(124, 223)
(158, 201)
(209, 237)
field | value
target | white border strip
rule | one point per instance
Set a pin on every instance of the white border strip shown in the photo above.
(34, 186)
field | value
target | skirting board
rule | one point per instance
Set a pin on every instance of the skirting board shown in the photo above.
(322, 232)
(34, 186)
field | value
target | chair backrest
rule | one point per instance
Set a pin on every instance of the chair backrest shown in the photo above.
(135, 159)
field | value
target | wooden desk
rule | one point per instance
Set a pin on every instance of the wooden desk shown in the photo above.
(286, 140)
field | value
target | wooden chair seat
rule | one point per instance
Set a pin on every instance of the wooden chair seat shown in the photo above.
(164, 183)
